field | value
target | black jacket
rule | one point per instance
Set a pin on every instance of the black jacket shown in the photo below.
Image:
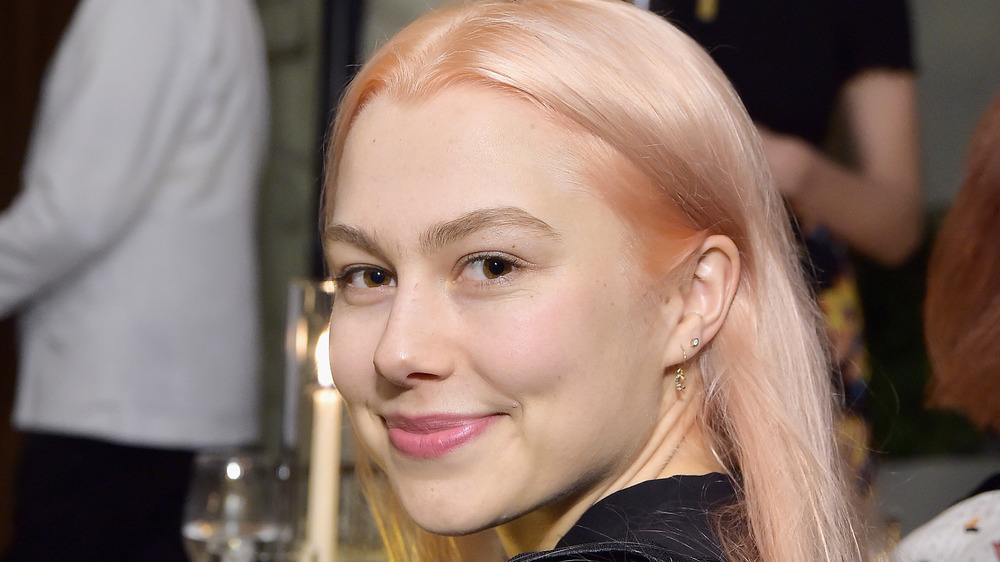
(667, 520)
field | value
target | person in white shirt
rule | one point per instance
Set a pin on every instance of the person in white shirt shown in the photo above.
(130, 258)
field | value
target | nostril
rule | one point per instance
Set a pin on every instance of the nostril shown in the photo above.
(421, 376)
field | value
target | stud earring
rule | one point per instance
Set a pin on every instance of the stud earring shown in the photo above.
(695, 342)
(679, 377)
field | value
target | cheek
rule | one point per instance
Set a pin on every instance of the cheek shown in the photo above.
(351, 352)
(588, 393)
(572, 335)
(352, 349)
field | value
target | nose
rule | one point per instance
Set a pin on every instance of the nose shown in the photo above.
(416, 343)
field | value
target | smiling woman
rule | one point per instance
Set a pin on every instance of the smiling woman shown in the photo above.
(569, 322)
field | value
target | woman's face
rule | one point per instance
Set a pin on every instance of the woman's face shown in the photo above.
(498, 348)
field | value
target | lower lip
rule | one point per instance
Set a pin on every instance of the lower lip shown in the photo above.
(433, 444)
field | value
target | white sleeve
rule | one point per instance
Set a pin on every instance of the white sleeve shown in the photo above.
(108, 119)
(965, 532)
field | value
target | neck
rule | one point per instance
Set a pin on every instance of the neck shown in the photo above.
(484, 546)
(678, 444)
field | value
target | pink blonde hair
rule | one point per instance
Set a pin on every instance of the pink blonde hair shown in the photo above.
(670, 146)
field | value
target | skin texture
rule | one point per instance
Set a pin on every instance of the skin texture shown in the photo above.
(481, 294)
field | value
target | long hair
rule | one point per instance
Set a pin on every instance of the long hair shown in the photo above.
(669, 145)
(962, 305)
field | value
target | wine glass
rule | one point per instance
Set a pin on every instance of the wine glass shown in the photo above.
(234, 510)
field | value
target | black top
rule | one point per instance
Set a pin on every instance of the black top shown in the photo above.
(668, 520)
(789, 59)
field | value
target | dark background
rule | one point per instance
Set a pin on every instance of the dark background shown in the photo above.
(29, 31)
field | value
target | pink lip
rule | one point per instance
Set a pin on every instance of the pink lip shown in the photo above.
(434, 436)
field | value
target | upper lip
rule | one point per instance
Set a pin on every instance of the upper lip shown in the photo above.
(431, 423)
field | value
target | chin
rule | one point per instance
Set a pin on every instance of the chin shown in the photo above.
(454, 530)
(449, 520)
(450, 527)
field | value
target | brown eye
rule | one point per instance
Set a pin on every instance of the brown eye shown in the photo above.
(496, 267)
(375, 277)
(365, 277)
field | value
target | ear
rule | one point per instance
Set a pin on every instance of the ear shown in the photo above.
(706, 296)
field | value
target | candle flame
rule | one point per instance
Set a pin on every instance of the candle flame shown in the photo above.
(322, 355)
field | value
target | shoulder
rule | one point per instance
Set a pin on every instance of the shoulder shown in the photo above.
(108, 15)
(126, 37)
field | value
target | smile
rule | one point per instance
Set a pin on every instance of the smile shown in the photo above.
(434, 436)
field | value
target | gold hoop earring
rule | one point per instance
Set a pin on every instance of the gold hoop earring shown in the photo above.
(679, 378)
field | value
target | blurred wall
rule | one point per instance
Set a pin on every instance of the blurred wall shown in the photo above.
(958, 52)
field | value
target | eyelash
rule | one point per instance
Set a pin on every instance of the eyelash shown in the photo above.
(343, 280)
(513, 263)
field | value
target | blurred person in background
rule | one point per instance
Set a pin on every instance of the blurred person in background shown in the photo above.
(962, 328)
(803, 69)
(130, 258)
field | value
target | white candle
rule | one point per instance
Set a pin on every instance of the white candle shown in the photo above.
(324, 476)
(324, 461)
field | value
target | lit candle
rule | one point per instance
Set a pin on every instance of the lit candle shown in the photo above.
(324, 462)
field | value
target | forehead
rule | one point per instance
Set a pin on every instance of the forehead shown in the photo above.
(465, 140)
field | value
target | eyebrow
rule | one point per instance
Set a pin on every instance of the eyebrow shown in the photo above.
(450, 231)
(479, 220)
(354, 237)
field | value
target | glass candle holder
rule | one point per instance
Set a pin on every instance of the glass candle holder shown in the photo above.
(334, 523)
